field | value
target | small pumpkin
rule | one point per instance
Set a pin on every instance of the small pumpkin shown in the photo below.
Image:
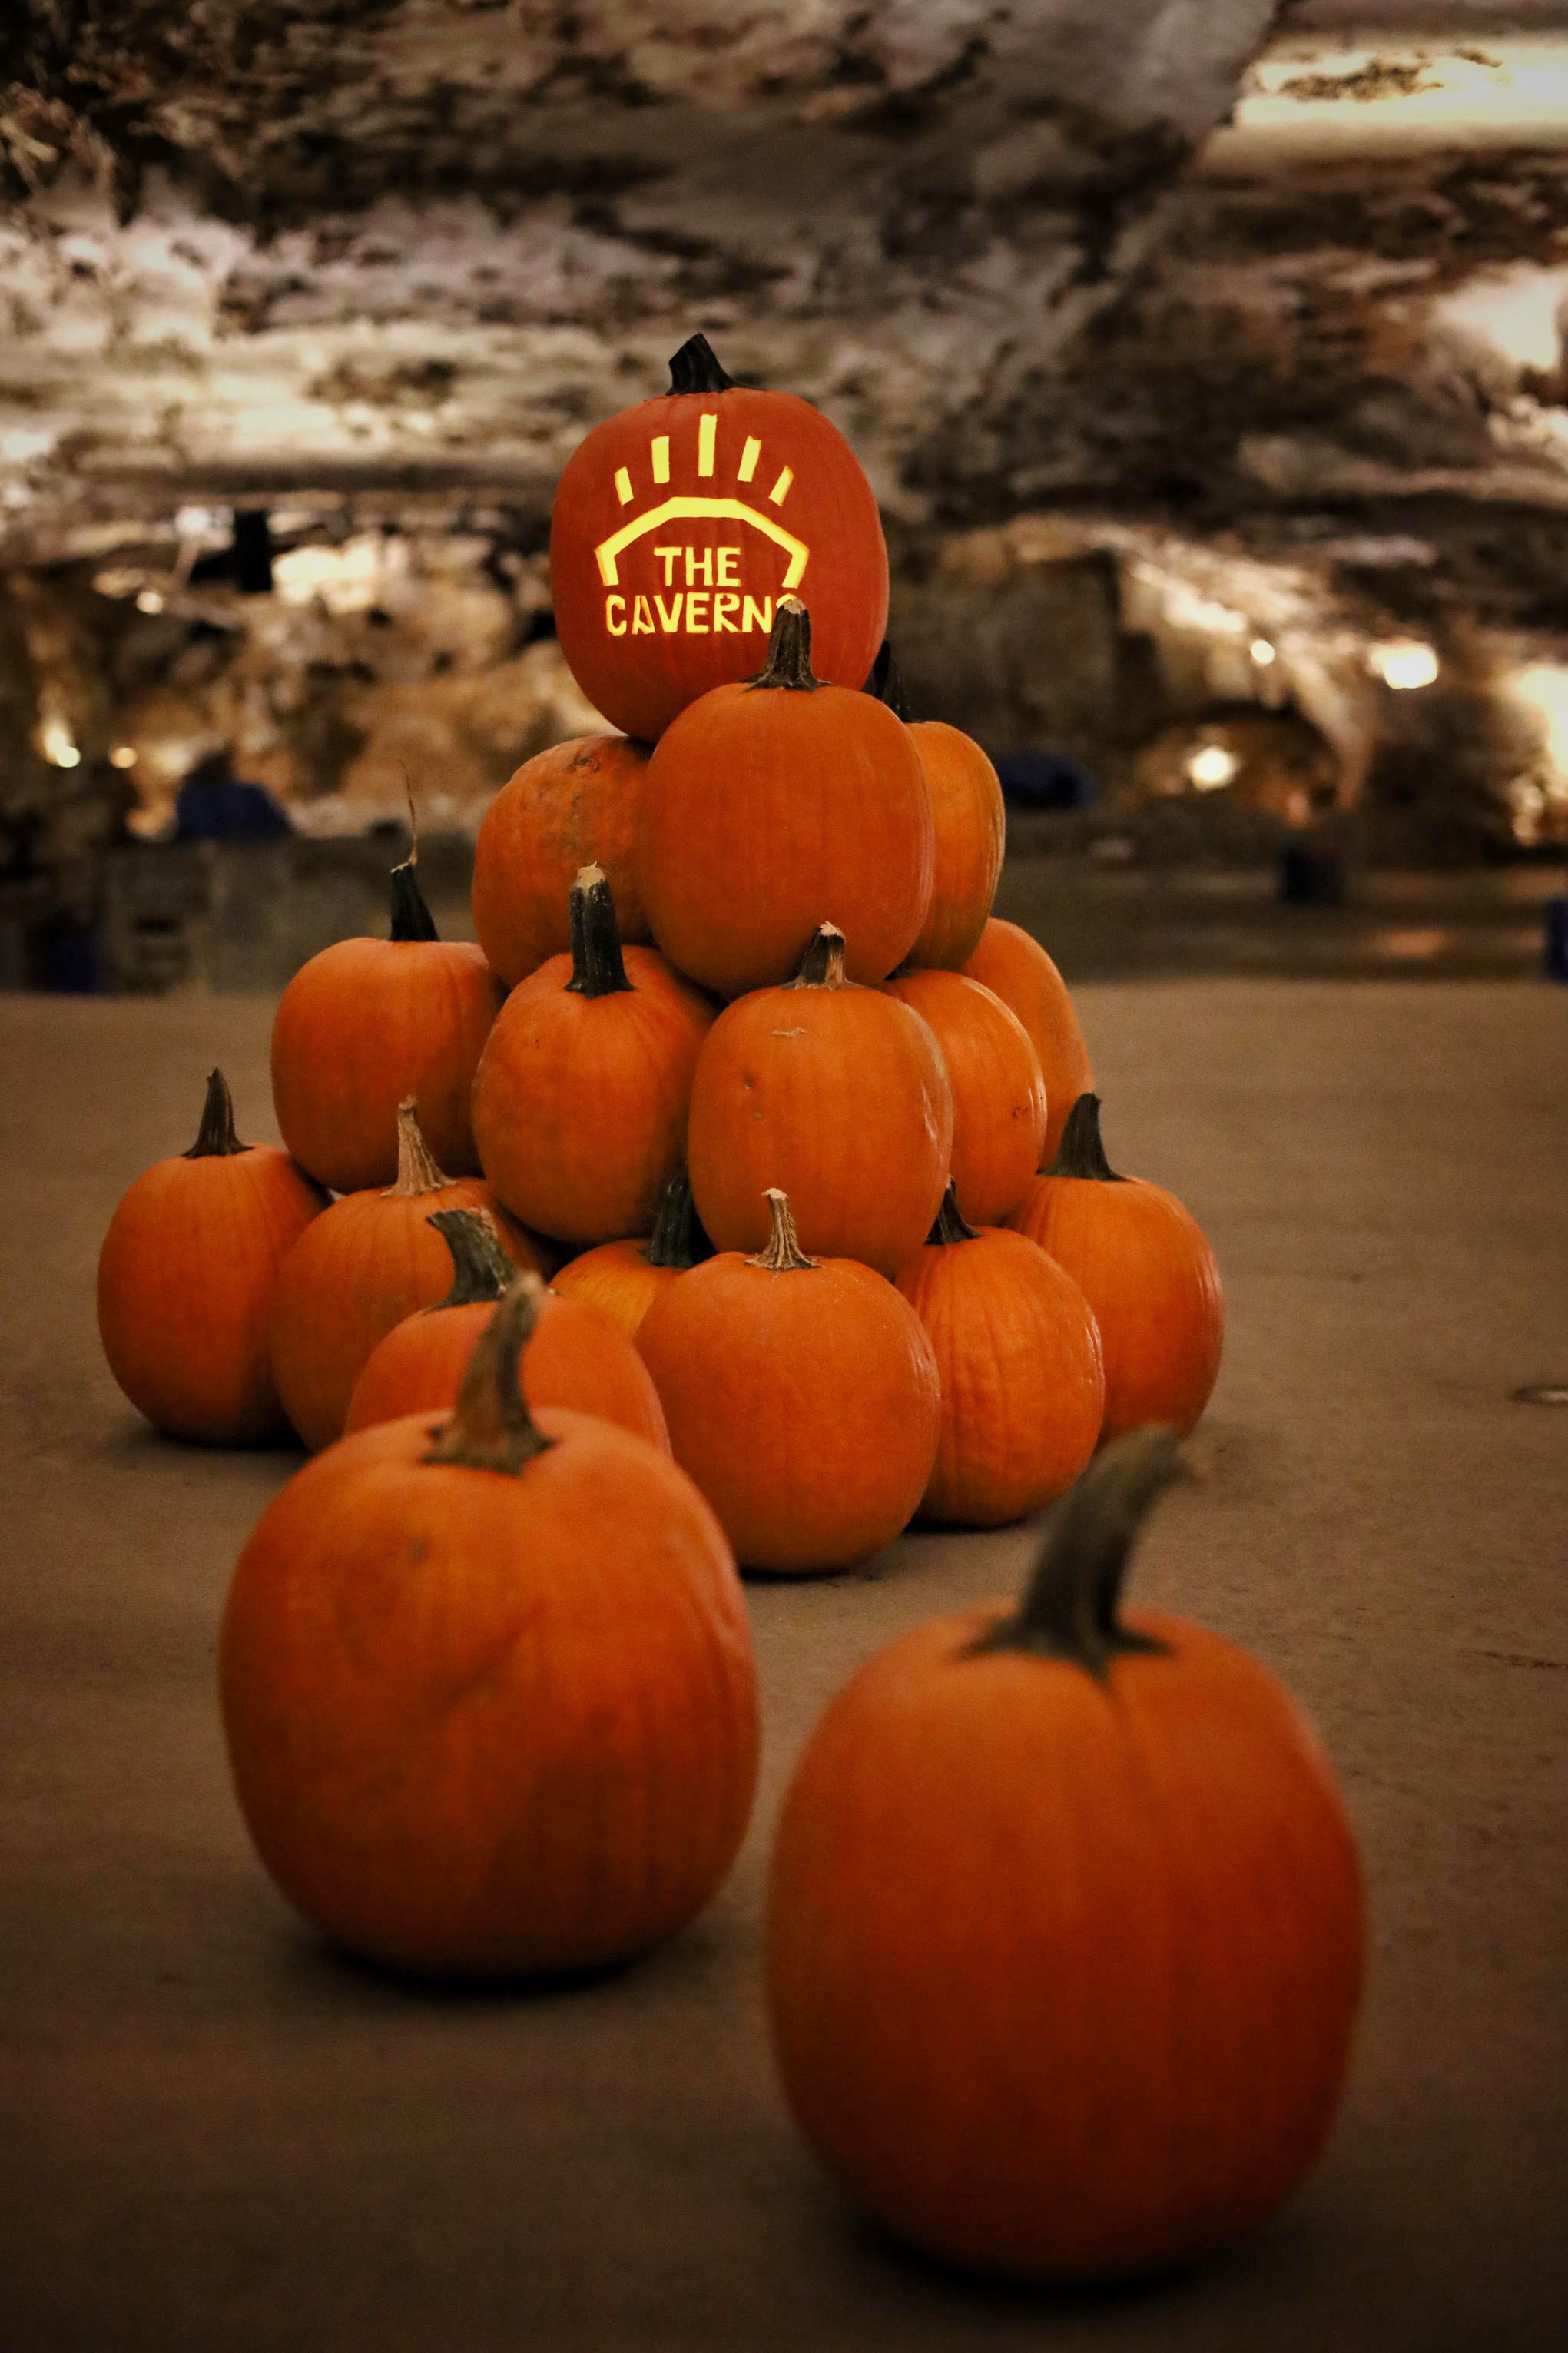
(575, 1357)
(970, 819)
(998, 1094)
(835, 1093)
(1145, 1267)
(1065, 1925)
(678, 526)
(488, 1685)
(581, 1096)
(1023, 1385)
(801, 1395)
(185, 1279)
(624, 1279)
(371, 1258)
(771, 805)
(571, 806)
(1018, 970)
(367, 1022)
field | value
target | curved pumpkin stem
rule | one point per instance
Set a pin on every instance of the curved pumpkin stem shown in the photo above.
(822, 965)
(678, 1239)
(887, 683)
(789, 651)
(597, 968)
(481, 1268)
(694, 368)
(1070, 1605)
(417, 1170)
(783, 1254)
(1080, 1152)
(950, 1223)
(491, 1427)
(217, 1138)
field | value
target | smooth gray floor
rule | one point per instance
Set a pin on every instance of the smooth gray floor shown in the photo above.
(215, 2134)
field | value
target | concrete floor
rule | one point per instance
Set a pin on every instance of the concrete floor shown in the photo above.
(216, 2134)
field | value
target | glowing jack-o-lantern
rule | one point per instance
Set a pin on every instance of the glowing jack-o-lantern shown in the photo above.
(679, 524)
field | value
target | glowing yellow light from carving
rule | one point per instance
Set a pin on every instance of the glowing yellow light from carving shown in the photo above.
(622, 486)
(659, 449)
(780, 491)
(1404, 662)
(677, 510)
(707, 427)
(749, 456)
(1212, 766)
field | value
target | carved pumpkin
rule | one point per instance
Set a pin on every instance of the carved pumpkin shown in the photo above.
(624, 1279)
(488, 1686)
(572, 805)
(801, 1395)
(679, 524)
(770, 807)
(367, 1022)
(575, 1358)
(998, 1094)
(834, 1094)
(1143, 1264)
(1065, 1929)
(1017, 970)
(185, 1279)
(581, 1096)
(970, 819)
(1023, 1387)
(371, 1258)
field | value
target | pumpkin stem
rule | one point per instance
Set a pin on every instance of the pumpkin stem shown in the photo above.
(481, 1268)
(789, 651)
(598, 969)
(1068, 1609)
(822, 965)
(491, 1428)
(678, 1237)
(417, 1171)
(887, 683)
(693, 368)
(951, 1225)
(218, 1137)
(1080, 1152)
(783, 1254)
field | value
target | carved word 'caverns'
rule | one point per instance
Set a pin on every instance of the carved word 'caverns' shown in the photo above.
(697, 591)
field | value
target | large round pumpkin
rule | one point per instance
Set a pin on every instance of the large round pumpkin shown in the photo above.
(998, 1094)
(1065, 1929)
(802, 1396)
(1017, 969)
(837, 1094)
(1142, 1262)
(572, 805)
(970, 819)
(774, 807)
(488, 1686)
(367, 1022)
(185, 1279)
(623, 1279)
(679, 526)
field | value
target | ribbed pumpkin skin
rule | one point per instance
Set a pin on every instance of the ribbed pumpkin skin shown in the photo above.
(580, 1102)
(571, 806)
(484, 1725)
(971, 824)
(363, 1266)
(1142, 1262)
(770, 810)
(365, 1024)
(576, 1358)
(1018, 970)
(615, 1278)
(998, 1094)
(839, 1097)
(186, 1283)
(804, 1404)
(1062, 1975)
(1023, 1387)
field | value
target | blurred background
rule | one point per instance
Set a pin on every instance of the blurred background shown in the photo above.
(1211, 379)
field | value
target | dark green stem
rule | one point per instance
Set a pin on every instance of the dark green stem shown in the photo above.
(678, 1237)
(411, 918)
(1080, 1152)
(789, 651)
(598, 969)
(217, 1138)
(491, 1428)
(887, 683)
(481, 1268)
(1068, 1609)
(822, 965)
(951, 1226)
(693, 368)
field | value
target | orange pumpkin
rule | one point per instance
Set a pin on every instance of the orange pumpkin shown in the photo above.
(367, 1022)
(185, 1279)
(488, 1686)
(577, 1357)
(1143, 1263)
(802, 1396)
(970, 819)
(571, 806)
(770, 807)
(998, 1094)
(679, 524)
(1023, 1387)
(368, 1261)
(624, 1279)
(581, 1095)
(1017, 970)
(1066, 1928)
(833, 1092)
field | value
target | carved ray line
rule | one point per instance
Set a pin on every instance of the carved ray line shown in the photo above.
(749, 456)
(780, 491)
(622, 486)
(707, 427)
(678, 509)
(659, 449)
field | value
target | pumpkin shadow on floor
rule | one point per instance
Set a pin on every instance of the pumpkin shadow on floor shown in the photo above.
(870, 2243)
(328, 1973)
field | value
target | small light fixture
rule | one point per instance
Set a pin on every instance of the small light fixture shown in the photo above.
(1404, 662)
(150, 600)
(55, 744)
(123, 755)
(1213, 766)
(1262, 652)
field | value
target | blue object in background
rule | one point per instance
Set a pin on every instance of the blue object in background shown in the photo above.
(1557, 939)
(223, 808)
(1048, 780)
